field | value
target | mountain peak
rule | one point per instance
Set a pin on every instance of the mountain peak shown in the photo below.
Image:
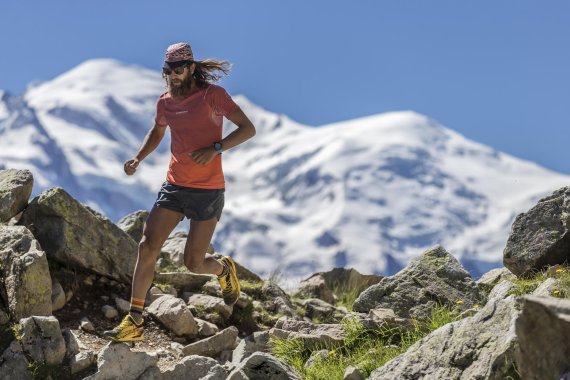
(96, 80)
(101, 67)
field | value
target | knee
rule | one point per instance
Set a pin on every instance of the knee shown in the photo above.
(149, 247)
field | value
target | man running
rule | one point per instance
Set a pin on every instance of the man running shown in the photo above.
(193, 108)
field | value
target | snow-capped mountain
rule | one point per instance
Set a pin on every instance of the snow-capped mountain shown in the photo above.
(368, 193)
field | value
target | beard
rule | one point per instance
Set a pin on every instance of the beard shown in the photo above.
(181, 89)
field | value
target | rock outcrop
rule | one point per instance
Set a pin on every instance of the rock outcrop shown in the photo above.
(117, 361)
(73, 235)
(543, 331)
(15, 190)
(431, 279)
(26, 288)
(540, 237)
(133, 224)
(323, 285)
(173, 313)
(478, 347)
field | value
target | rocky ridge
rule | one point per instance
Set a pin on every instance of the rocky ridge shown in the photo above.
(65, 274)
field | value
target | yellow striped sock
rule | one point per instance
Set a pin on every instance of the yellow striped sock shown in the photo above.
(137, 305)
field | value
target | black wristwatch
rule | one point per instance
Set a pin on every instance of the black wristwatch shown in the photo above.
(218, 147)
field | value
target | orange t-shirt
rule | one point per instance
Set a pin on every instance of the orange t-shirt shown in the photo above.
(195, 122)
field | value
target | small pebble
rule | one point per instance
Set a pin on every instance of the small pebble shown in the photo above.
(86, 325)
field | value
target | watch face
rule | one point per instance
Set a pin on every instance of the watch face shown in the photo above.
(218, 145)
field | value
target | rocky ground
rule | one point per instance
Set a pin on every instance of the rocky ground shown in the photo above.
(88, 301)
(65, 278)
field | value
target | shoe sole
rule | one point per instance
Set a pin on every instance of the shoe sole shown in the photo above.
(136, 339)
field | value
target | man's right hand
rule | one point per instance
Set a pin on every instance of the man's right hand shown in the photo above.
(130, 166)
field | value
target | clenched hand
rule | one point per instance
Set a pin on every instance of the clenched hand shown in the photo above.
(130, 166)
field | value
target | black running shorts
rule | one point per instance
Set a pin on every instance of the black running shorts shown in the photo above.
(194, 203)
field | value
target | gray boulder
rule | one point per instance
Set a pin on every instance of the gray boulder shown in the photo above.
(133, 224)
(42, 339)
(543, 330)
(313, 335)
(435, 277)
(82, 361)
(173, 313)
(323, 285)
(173, 248)
(183, 280)
(488, 280)
(24, 268)
(322, 311)
(192, 367)
(539, 237)
(315, 287)
(276, 300)
(352, 373)
(380, 319)
(214, 345)
(502, 290)
(13, 363)
(58, 298)
(73, 235)
(206, 328)
(117, 361)
(15, 190)
(263, 366)
(256, 342)
(208, 304)
(478, 347)
(551, 287)
(156, 292)
(71, 343)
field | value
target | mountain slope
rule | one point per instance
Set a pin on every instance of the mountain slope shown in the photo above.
(369, 193)
(376, 191)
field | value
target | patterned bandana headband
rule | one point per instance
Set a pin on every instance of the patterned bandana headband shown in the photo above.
(179, 52)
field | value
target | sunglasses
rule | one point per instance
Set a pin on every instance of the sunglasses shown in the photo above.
(177, 70)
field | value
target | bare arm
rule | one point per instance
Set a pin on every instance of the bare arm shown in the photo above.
(245, 131)
(151, 141)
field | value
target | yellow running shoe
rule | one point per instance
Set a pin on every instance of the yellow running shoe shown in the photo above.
(127, 331)
(228, 281)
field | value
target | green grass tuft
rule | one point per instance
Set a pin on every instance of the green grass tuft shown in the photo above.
(42, 370)
(529, 284)
(363, 348)
(346, 294)
(252, 289)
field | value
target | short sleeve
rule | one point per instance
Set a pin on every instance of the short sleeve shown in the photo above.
(220, 101)
(160, 118)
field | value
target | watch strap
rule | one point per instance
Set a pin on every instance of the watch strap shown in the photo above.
(218, 147)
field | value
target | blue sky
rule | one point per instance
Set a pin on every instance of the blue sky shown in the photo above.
(496, 71)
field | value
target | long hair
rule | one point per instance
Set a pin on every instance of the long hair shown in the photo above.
(210, 71)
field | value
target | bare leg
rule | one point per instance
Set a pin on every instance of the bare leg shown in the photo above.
(195, 257)
(158, 226)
